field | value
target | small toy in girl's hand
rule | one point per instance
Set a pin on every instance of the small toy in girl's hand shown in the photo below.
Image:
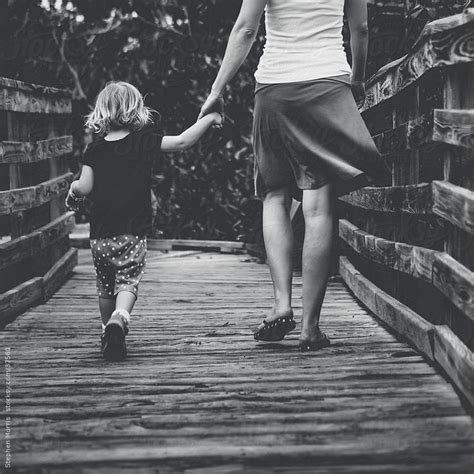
(73, 202)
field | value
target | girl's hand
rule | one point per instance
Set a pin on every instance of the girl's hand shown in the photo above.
(217, 119)
(72, 200)
(358, 90)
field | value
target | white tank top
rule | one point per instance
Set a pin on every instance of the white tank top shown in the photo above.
(304, 41)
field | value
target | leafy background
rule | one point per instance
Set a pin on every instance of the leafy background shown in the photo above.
(171, 50)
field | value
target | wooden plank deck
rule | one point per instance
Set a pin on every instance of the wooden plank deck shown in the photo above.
(198, 395)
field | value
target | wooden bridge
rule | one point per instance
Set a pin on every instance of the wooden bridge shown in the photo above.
(393, 394)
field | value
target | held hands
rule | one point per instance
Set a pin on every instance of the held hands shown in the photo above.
(217, 119)
(358, 90)
(213, 104)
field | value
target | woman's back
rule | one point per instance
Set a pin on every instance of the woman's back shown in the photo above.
(304, 41)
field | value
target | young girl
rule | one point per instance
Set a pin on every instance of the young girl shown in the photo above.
(116, 172)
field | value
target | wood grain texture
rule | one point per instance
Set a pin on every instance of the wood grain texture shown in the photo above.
(209, 245)
(438, 343)
(32, 152)
(398, 316)
(408, 136)
(411, 199)
(22, 199)
(454, 280)
(456, 359)
(33, 244)
(438, 47)
(19, 299)
(454, 127)
(17, 96)
(455, 204)
(13, 84)
(198, 395)
(59, 273)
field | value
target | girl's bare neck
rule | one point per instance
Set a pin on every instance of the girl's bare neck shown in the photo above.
(115, 135)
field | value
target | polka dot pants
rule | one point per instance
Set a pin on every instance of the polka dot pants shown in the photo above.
(119, 264)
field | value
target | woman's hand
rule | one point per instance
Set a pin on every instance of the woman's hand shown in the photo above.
(214, 103)
(358, 90)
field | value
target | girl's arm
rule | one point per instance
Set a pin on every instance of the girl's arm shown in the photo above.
(240, 42)
(356, 11)
(192, 135)
(83, 186)
(80, 188)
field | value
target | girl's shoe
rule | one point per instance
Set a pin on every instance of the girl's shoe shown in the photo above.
(307, 345)
(114, 348)
(275, 330)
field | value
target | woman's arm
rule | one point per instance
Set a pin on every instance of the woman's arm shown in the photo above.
(356, 11)
(192, 135)
(240, 42)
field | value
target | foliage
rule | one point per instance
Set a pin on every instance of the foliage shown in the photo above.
(171, 50)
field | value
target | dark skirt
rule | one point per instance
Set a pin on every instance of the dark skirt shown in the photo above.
(308, 134)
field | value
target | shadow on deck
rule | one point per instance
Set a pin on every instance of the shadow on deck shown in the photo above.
(198, 395)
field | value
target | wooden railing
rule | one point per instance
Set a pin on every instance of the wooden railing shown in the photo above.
(408, 247)
(35, 255)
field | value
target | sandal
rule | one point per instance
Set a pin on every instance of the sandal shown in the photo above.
(275, 330)
(307, 346)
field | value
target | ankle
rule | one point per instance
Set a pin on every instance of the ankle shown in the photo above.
(122, 313)
(312, 330)
(282, 308)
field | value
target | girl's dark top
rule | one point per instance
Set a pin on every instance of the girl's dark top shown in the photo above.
(121, 195)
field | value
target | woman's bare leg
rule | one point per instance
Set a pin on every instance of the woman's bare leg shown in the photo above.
(318, 211)
(278, 235)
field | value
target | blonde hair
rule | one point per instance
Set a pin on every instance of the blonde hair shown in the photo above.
(118, 105)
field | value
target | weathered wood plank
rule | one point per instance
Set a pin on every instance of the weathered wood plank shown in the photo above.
(455, 204)
(399, 317)
(195, 377)
(7, 83)
(454, 127)
(210, 245)
(451, 278)
(408, 136)
(26, 198)
(17, 96)
(411, 199)
(439, 46)
(31, 152)
(59, 273)
(19, 299)
(455, 281)
(456, 359)
(27, 246)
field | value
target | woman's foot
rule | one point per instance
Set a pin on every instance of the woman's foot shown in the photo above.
(276, 326)
(277, 313)
(313, 339)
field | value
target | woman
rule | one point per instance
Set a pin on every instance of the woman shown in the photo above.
(309, 138)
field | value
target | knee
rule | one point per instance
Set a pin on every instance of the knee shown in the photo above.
(279, 197)
(318, 205)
